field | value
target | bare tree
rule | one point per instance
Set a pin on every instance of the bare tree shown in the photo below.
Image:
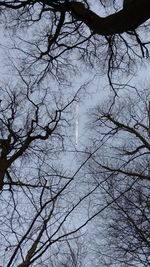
(122, 158)
(41, 199)
(47, 35)
(37, 195)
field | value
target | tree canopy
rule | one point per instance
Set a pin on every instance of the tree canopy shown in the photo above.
(129, 18)
(52, 189)
(57, 29)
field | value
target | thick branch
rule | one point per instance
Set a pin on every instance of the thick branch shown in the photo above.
(125, 20)
(4, 164)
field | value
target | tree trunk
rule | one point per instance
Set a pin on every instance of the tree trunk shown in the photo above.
(3, 168)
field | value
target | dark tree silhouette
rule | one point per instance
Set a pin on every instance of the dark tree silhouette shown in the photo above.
(45, 195)
(122, 163)
(58, 30)
(129, 18)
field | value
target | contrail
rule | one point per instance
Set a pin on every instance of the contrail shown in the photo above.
(77, 122)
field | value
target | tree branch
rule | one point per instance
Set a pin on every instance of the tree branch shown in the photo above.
(127, 19)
